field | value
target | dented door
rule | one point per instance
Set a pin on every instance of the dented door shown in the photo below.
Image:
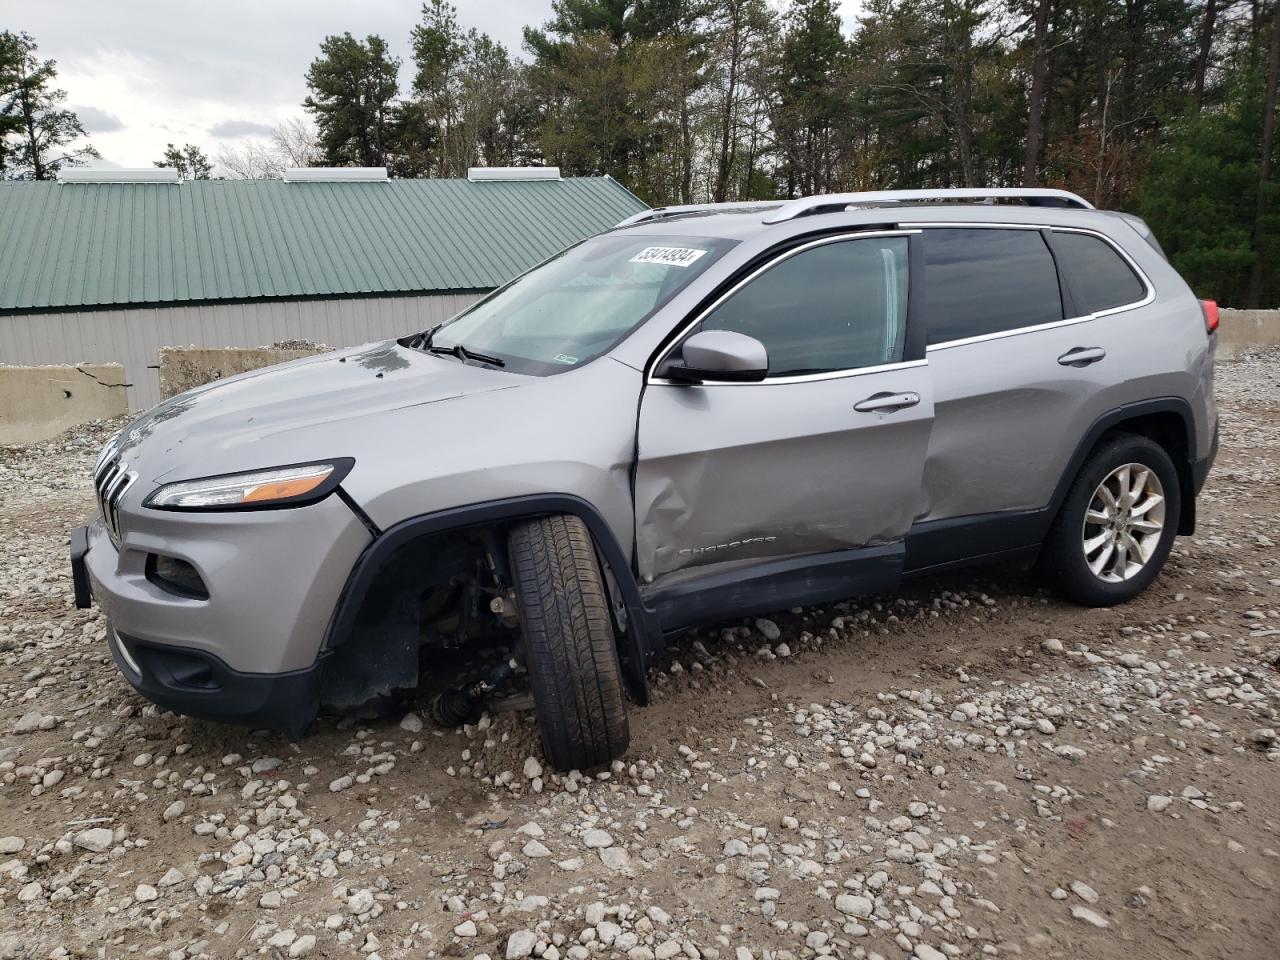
(826, 454)
(730, 473)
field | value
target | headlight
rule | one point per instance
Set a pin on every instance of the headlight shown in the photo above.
(290, 486)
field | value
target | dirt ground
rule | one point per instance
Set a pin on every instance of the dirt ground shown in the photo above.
(967, 769)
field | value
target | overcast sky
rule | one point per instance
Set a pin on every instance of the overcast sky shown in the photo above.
(143, 73)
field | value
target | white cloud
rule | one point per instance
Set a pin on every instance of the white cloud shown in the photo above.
(156, 71)
(190, 73)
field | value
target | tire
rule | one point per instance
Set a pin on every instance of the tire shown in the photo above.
(570, 651)
(1064, 559)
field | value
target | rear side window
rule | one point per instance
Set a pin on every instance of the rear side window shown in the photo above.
(980, 281)
(837, 306)
(1097, 276)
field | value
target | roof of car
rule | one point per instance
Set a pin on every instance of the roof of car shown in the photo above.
(741, 223)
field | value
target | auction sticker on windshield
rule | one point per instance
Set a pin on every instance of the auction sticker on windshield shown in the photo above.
(669, 256)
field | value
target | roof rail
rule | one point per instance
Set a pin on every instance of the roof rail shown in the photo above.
(1032, 196)
(659, 213)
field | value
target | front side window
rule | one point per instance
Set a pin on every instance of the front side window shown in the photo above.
(1098, 277)
(981, 281)
(580, 304)
(838, 306)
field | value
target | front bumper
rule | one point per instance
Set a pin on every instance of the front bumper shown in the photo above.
(249, 650)
(198, 684)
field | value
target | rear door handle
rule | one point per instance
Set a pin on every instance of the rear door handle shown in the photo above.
(1082, 356)
(887, 402)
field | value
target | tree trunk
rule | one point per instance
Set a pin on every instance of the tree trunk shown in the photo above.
(1206, 46)
(1035, 104)
(724, 163)
(1264, 163)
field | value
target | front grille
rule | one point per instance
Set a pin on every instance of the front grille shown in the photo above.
(111, 479)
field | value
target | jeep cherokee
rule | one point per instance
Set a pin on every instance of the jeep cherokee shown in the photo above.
(704, 413)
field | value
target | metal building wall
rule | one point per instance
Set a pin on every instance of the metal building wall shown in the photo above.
(134, 337)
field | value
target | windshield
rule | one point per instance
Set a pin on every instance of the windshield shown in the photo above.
(579, 304)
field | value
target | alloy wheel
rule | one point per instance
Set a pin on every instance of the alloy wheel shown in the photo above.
(1123, 523)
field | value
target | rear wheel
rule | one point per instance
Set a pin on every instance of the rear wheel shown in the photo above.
(570, 651)
(1116, 527)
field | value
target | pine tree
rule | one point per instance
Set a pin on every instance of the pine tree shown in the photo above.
(189, 161)
(353, 87)
(37, 133)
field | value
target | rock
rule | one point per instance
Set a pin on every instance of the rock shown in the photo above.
(782, 650)
(95, 839)
(1263, 736)
(900, 824)
(536, 849)
(918, 809)
(270, 900)
(1084, 891)
(596, 839)
(360, 902)
(1051, 645)
(172, 878)
(145, 893)
(925, 952)
(304, 945)
(854, 906)
(1131, 661)
(173, 811)
(466, 929)
(769, 629)
(736, 848)
(28, 723)
(342, 783)
(11, 844)
(520, 944)
(1045, 726)
(615, 858)
(1090, 917)
(964, 711)
(532, 768)
(265, 764)
(1158, 803)
(411, 722)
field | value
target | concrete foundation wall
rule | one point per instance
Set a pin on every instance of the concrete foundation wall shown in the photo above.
(37, 403)
(182, 368)
(135, 337)
(1241, 329)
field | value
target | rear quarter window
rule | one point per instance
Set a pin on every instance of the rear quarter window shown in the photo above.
(1097, 276)
(984, 280)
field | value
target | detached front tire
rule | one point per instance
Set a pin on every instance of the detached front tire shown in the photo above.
(570, 650)
(1116, 526)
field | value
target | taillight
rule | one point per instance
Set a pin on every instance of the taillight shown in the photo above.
(1210, 309)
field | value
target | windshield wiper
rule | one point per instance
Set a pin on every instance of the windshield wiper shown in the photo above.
(462, 353)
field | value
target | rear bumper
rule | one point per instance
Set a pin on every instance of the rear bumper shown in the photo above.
(195, 683)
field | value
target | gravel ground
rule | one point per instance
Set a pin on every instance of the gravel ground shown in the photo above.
(966, 769)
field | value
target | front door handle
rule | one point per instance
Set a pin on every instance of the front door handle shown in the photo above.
(1081, 356)
(887, 402)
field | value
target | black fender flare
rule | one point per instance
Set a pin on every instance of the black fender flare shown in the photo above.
(1117, 417)
(643, 635)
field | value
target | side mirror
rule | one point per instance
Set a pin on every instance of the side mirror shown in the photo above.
(719, 355)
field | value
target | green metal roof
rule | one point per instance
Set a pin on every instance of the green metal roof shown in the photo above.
(71, 245)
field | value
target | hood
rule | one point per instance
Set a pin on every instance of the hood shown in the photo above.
(278, 408)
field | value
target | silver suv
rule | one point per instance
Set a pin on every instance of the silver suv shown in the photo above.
(705, 413)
